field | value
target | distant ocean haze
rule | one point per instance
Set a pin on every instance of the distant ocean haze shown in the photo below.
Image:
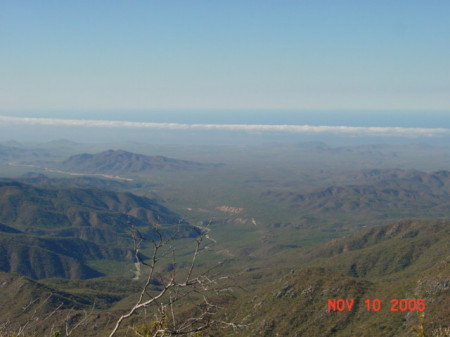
(227, 127)
(410, 119)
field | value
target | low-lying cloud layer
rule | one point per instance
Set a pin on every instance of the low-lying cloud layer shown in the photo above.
(306, 129)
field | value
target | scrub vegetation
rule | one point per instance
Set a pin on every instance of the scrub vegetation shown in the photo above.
(243, 246)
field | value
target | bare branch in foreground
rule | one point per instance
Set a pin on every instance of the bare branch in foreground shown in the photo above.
(166, 301)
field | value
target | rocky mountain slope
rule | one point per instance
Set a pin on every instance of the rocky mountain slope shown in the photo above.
(407, 261)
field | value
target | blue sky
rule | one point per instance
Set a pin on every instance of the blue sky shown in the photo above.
(206, 54)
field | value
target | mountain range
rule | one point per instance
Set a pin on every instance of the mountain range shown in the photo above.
(54, 232)
(375, 194)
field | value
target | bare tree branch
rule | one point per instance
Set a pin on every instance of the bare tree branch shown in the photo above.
(173, 291)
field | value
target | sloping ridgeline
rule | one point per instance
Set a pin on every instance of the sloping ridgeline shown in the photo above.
(123, 162)
(36, 308)
(53, 232)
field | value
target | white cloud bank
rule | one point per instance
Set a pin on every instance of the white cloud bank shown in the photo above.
(307, 129)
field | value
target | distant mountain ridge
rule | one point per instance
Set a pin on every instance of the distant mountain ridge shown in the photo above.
(123, 162)
(399, 193)
(14, 152)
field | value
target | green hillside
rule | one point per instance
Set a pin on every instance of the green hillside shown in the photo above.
(408, 247)
(407, 260)
(57, 232)
(36, 309)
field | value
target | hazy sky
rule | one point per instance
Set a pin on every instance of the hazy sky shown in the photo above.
(229, 54)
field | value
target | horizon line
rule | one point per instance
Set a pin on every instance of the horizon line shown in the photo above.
(305, 128)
